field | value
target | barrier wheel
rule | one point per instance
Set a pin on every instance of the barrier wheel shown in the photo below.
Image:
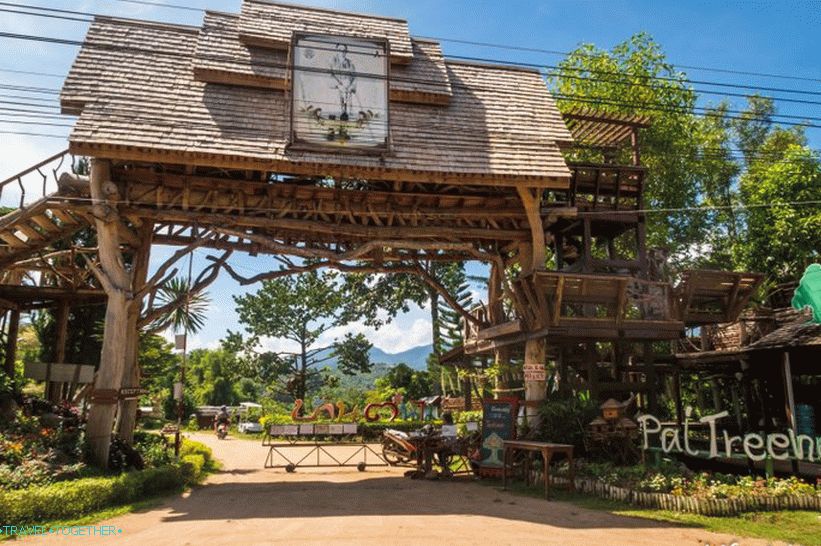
(290, 468)
(361, 467)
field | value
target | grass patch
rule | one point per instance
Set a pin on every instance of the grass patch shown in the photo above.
(796, 527)
(105, 514)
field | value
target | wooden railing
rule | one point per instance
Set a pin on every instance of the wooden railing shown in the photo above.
(605, 186)
(31, 188)
(584, 305)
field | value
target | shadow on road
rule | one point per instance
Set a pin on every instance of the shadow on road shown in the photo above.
(381, 496)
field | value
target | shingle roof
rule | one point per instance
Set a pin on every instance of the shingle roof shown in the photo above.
(135, 84)
(221, 57)
(798, 334)
(273, 24)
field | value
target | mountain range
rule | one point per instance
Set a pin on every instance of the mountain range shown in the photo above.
(415, 357)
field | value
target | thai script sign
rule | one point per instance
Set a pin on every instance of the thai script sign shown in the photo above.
(534, 372)
(340, 92)
(778, 446)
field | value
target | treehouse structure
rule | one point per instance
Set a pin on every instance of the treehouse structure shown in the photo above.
(604, 303)
(341, 138)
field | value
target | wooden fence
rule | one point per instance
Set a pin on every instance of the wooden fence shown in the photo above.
(706, 507)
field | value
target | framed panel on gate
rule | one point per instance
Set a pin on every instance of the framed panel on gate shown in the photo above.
(340, 94)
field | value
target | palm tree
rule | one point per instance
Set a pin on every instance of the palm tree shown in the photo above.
(187, 310)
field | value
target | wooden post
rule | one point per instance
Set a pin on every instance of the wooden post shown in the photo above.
(532, 202)
(127, 415)
(54, 391)
(535, 391)
(117, 283)
(11, 342)
(496, 315)
(677, 395)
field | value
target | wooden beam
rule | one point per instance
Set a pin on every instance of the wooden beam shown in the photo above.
(531, 200)
(300, 227)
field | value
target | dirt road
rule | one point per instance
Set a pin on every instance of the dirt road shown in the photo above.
(245, 504)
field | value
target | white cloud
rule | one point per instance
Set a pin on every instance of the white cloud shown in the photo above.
(194, 341)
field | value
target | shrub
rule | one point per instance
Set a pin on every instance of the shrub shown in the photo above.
(564, 420)
(71, 499)
(191, 466)
(190, 447)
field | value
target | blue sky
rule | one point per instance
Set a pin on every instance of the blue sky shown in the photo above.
(774, 37)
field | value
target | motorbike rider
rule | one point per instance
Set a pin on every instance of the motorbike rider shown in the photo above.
(222, 418)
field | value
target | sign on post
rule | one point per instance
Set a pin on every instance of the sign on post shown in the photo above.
(498, 425)
(535, 372)
(132, 393)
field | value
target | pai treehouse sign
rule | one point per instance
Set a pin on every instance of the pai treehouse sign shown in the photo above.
(758, 447)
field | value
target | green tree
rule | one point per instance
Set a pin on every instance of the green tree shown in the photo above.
(402, 378)
(300, 309)
(635, 78)
(783, 236)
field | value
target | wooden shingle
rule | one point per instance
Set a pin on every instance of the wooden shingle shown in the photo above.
(134, 84)
(220, 57)
(271, 24)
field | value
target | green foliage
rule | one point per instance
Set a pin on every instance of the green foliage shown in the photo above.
(635, 78)
(782, 240)
(153, 449)
(402, 378)
(564, 420)
(300, 309)
(191, 447)
(676, 479)
(71, 499)
(729, 221)
(189, 317)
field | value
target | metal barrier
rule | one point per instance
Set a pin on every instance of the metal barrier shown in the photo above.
(304, 441)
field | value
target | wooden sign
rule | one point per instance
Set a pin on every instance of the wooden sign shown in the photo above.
(498, 425)
(59, 373)
(458, 404)
(534, 372)
(132, 393)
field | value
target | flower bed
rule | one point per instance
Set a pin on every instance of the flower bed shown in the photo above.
(75, 498)
(673, 487)
(38, 450)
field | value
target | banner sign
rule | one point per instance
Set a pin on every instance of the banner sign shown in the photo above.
(340, 92)
(757, 447)
(498, 425)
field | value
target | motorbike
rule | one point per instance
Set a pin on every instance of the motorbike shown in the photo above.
(396, 447)
(222, 430)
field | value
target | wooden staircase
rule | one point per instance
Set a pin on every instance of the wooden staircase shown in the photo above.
(41, 219)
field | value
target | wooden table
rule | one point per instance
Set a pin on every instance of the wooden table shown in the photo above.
(547, 450)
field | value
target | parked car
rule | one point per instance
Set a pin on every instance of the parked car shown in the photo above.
(248, 417)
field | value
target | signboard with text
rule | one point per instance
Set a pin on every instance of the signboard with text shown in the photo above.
(498, 425)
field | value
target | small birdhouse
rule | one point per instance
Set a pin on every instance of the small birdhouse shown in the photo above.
(598, 425)
(612, 410)
(626, 425)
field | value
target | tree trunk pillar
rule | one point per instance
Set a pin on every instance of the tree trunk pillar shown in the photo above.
(535, 391)
(54, 391)
(131, 373)
(532, 258)
(117, 283)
